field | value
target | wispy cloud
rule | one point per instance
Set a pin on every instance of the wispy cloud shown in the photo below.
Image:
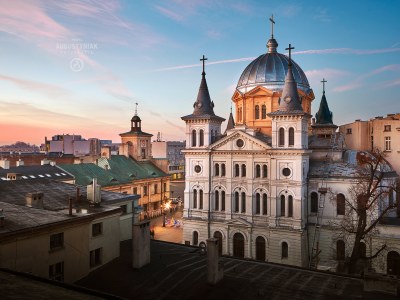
(289, 10)
(169, 13)
(326, 73)
(49, 90)
(321, 14)
(348, 51)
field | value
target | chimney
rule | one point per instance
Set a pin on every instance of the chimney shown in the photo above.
(34, 200)
(19, 163)
(44, 162)
(94, 193)
(52, 163)
(5, 163)
(78, 196)
(70, 206)
(1, 218)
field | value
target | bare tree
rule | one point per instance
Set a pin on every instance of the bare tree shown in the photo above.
(370, 199)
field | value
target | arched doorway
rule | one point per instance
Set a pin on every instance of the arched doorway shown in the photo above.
(238, 245)
(260, 248)
(393, 263)
(218, 235)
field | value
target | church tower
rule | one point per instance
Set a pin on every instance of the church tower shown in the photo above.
(136, 143)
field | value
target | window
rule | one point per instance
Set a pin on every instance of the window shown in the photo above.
(236, 205)
(387, 128)
(156, 188)
(281, 137)
(263, 112)
(291, 137)
(195, 238)
(340, 204)
(258, 171)
(124, 209)
(143, 153)
(243, 170)
(388, 146)
(216, 200)
(201, 199)
(285, 250)
(201, 138)
(135, 190)
(237, 170)
(95, 257)
(194, 198)
(145, 190)
(290, 206)
(314, 202)
(223, 171)
(57, 241)
(340, 250)
(216, 170)
(243, 202)
(165, 186)
(257, 112)
(286, 172)
(97, 229)
(258, 204)
(282, 205)
(265, 171)
(56, 271)
(223, 201)
(194, 138)
(265, 200)
(348, 131)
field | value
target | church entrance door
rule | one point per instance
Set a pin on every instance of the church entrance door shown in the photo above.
(238, 245)
(260, 248)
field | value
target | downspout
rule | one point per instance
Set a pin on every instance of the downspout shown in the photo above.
(209, 194)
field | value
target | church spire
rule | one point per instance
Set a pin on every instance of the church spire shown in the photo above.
(203, 104)
(324, 115)
(231, 122)
(272, 44)
(290, 100)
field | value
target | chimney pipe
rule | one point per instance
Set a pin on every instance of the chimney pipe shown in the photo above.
(77, 194)
(70, 206)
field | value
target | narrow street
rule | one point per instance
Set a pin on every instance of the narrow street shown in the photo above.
(172, 232)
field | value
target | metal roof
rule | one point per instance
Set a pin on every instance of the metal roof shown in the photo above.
(36, 172)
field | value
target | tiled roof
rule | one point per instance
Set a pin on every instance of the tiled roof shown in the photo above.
(84, 174)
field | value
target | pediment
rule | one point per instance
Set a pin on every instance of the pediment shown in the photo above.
(229, 143)
(239, 222)
(259, 91)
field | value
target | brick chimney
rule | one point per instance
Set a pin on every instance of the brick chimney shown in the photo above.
(34, 200)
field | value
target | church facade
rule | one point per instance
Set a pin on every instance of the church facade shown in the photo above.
(261, 186)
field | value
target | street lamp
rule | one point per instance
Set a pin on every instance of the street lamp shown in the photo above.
(163, 208)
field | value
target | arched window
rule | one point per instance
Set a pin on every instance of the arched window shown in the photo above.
(243, 170)
(216, 170)
(194, 198)
(265, 205)
(201, 199)
(285, 250)
(237, 170)
(194, 136)
(258, 171)
(291, 137)
(257, 112)
(281, 137)
(340, 250)
(393, 263)
(238, 245)
(195, 238)
(283, 205)
(216, 200)
(258, 204)
(265, 171)
(223, 201)
(340, 204)
(263, 112)
(290, 206)
(201, 138)
(260, 248)
(236, 204)
(314, 202)
(243, 202)
(223, 171)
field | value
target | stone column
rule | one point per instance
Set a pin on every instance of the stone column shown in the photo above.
(140, 244)
(215, 270)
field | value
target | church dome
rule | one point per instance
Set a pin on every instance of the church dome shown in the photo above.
(269, 70)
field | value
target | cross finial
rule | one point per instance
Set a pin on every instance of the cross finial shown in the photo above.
(290, 48)
(272, 25)
(323, 85)
(136, 108)
(203, 60)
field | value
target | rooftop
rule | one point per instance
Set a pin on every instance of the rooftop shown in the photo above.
(33, 172)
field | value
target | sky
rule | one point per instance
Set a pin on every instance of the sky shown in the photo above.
(79, 67)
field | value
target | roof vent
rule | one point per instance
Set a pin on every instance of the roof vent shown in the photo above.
(94, 193)
(34, 200)
(52, 163)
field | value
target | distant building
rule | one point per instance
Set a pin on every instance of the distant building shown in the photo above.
(20, 147)
(172, 151)
(75, 145)
(45, 234)
(380, 132)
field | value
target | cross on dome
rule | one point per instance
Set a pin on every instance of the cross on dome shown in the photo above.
(272, 25)
(136, 108)
(323, 85)
(290, 48)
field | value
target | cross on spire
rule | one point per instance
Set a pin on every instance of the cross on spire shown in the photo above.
(203, 60)
(272, 25)
(136, 108)
(323, 85)
(290, 48)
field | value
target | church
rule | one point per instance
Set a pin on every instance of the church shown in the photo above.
(271, 185)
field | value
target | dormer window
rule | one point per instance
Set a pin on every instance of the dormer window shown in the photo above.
(387, 128)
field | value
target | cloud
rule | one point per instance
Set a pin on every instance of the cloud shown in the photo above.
(348, 51)
(326, 73)
(289, 10)
(169, 13)
(322, 15)
(47, 89)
